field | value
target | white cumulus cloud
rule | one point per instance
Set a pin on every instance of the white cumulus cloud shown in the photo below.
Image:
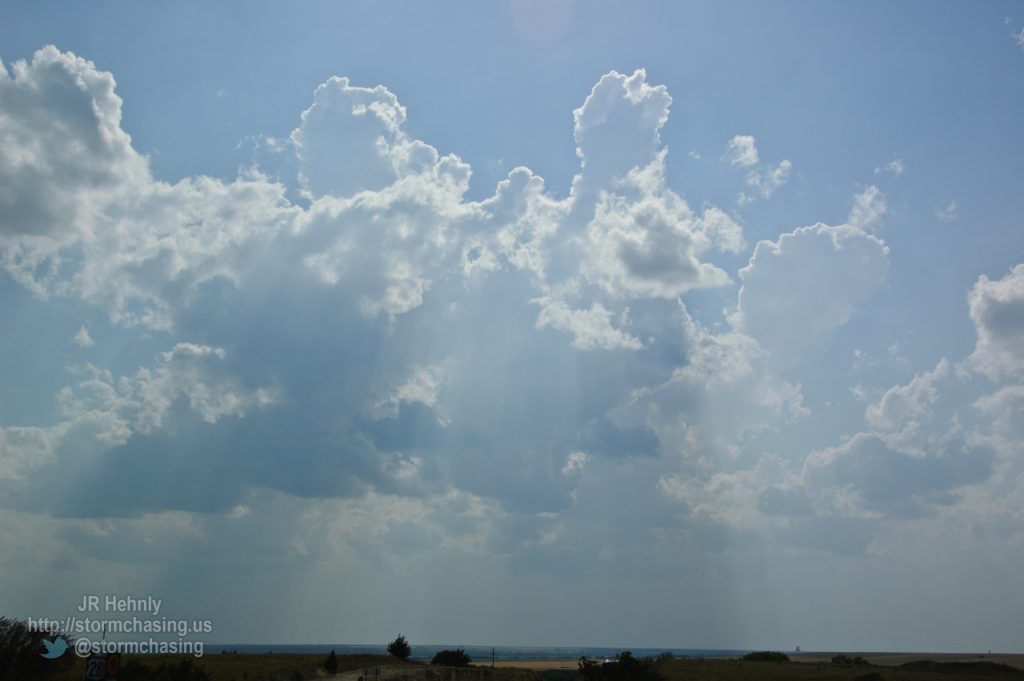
(82, 338)
(997, 310)
(591, 328)
(742, 151)
(868, 208)
(798, 289)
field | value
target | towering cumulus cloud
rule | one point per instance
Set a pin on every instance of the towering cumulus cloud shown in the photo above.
(383, 367)
(64, 149)
(301, 336)
(83, 215)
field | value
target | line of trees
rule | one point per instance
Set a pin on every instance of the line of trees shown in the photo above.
(625, 667)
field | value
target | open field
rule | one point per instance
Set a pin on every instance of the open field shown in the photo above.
(535, 664)
(896, 659)
(804, 666)
(823, 670)
(811, 658)
(257, 667)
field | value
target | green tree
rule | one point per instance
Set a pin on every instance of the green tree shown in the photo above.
(20, 653)
(400, 648)
(452, 658)
(331, 663)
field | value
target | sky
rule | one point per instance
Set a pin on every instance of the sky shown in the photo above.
(517, 323)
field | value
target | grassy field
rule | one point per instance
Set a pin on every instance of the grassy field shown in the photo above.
(739, 670)
(804, 667)
(896, 659)
(253, 667)
(537, 664)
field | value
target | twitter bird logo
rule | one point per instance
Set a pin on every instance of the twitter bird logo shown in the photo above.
(54, 648)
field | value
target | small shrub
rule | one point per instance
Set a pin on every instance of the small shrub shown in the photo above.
(331, 663)
(844, 660)
(452, 658)
(400, 648)
(766, 656)
(20, 651)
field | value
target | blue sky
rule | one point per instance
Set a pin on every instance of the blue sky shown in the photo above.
(552, 323)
